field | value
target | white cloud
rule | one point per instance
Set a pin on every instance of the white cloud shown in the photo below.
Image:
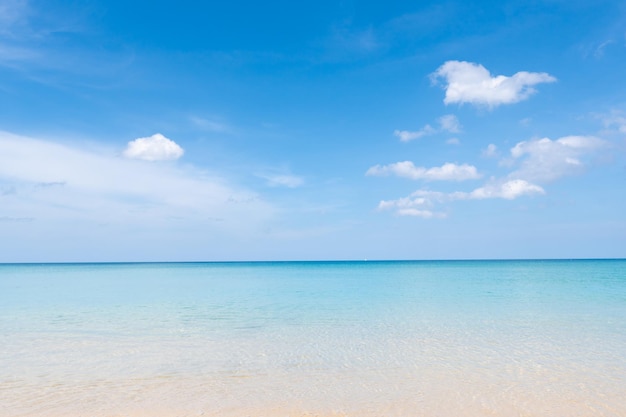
(453, 141)
(425, 214)
(447, 123)
(547, 160)
(467, 82)
(446, 172)
(490, 151)
(416, 199)
(54, 181)
(154, 148)
(418, 204)
(406, 135)
(450, 123)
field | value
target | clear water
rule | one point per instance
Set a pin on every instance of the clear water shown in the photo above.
(450, 338)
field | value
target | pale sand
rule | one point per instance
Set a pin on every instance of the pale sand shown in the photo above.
(466, 396)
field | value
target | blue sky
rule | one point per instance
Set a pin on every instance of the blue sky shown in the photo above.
(176, 131)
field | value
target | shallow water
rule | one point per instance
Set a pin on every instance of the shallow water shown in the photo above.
(450, 338)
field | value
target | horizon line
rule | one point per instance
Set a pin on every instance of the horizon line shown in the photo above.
(304, 261)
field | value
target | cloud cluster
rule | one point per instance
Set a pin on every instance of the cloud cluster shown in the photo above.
(12, 13)
(467, 82)
(532, 163)
(615, 120)
(447, 123)
(446, 172)
(153, 148)
(421, 202)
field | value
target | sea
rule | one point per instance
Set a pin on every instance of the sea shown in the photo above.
(276, 339)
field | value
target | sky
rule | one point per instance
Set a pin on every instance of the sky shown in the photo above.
(325, 130)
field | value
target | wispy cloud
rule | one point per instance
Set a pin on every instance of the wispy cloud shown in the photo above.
(13, 13)
(282, 180)
(55, 46)
(467, 82)
(615, 120)
(596, 49)
(347, 42)
(10, 219)
(425, 214)
(447, 123)
(15, 33)
(491, 151)
(211, 124)
(97, 186)
(446, 172)
(362, 40)
(407, 135)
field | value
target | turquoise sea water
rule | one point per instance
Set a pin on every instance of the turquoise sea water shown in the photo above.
(440, 338)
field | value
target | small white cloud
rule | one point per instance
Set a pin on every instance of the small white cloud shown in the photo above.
(416, 199)
(490, 151)
(446, 172)
(547, 160)
(450, 123)
(508, 190)
(453, 141)
(406, 136)
(289, 181)
(154, 148)
(467, 82)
